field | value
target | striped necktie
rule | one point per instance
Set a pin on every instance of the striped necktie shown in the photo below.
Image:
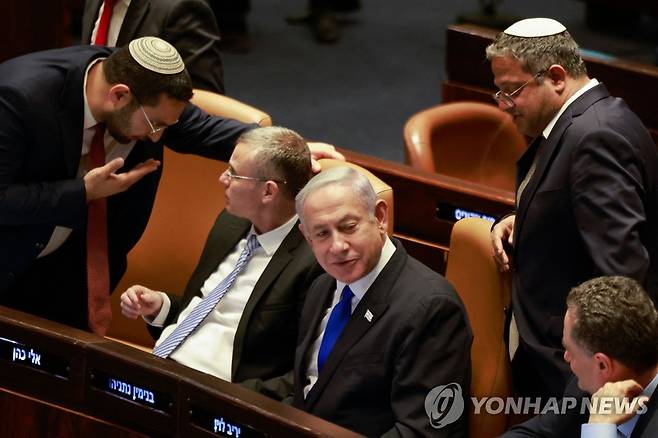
(201, 311)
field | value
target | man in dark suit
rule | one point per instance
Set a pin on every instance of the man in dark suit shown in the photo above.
(587, 201)
(188, 25)
(383, 338)
(610, 332)
(60, 110)
(251, 332)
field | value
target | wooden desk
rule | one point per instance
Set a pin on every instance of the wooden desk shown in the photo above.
(70, 383)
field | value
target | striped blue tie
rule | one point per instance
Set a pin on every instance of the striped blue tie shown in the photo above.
(201, 311)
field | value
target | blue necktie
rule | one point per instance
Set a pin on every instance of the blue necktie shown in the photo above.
(201, 311)
(337, 321)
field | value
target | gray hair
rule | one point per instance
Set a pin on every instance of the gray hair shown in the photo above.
(539, 53)
(281, 154)
(341, 175)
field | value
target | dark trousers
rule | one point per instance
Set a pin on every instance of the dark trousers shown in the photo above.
(55, 286)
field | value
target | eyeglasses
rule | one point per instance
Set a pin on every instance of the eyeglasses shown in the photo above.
(233, 176)
(508, 98)
(154, 130)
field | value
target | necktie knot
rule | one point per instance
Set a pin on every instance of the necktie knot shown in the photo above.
(347, 295)
(252, 245)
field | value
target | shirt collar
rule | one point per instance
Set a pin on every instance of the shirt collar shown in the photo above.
(361, 286)
(88, 121)
(591, 84)
(627, 427)
(271, 240)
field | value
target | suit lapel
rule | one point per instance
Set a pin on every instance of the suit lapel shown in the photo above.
(133, 20)
(376, 302)
(318, 299)
(283, 255)
(89, 19)
(548, 150)
(71, 117)
(230, 230)
(644, 419)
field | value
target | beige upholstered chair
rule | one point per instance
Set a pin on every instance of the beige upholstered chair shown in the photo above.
(486, 294)
(466, 140)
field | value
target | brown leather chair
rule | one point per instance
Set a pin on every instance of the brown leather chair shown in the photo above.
(467, 140)
(486, 295)
(383, 190)
(188, 200)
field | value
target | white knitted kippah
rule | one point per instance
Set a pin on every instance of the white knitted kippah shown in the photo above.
(535, 27)
(157, 55)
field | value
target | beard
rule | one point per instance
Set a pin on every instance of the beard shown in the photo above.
(118, 123)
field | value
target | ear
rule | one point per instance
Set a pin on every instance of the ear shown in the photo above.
(605, 367)
(381, 215)
(119, 95)
(270, 191)
(557, 75)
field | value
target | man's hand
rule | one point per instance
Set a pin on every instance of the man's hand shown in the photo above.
(140, 301)
(322, 150)
(502, 234)
(102, 182)
(607, 405)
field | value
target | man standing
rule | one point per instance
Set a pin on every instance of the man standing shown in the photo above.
(586, 192)
(251, 332)
(188, 25)
(610, 332)
(380, 330)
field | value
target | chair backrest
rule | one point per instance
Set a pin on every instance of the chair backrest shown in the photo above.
(166, 255)
(486, 294)
(383, 190)
(219, 105)
(467, 140)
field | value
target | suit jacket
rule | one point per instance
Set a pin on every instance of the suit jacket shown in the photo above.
(41, 119)
(589, 210)
(379, 372)
(189, 25)
(264, 345)
(567, 425)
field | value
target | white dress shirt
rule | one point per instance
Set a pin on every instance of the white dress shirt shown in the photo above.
(359, 289)
(210, 347)
(116, 21)
(610, 430)
(113, 149)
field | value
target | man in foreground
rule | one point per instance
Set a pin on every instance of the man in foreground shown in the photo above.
(380, 330)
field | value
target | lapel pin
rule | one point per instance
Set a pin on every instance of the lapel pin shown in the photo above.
(368, 315)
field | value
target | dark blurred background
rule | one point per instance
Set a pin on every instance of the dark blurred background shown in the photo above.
(359, 92)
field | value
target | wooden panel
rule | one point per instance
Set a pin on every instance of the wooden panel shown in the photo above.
(25, 417)
(118, 388)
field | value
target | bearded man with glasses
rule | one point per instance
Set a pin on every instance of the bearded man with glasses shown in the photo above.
(586, 200)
